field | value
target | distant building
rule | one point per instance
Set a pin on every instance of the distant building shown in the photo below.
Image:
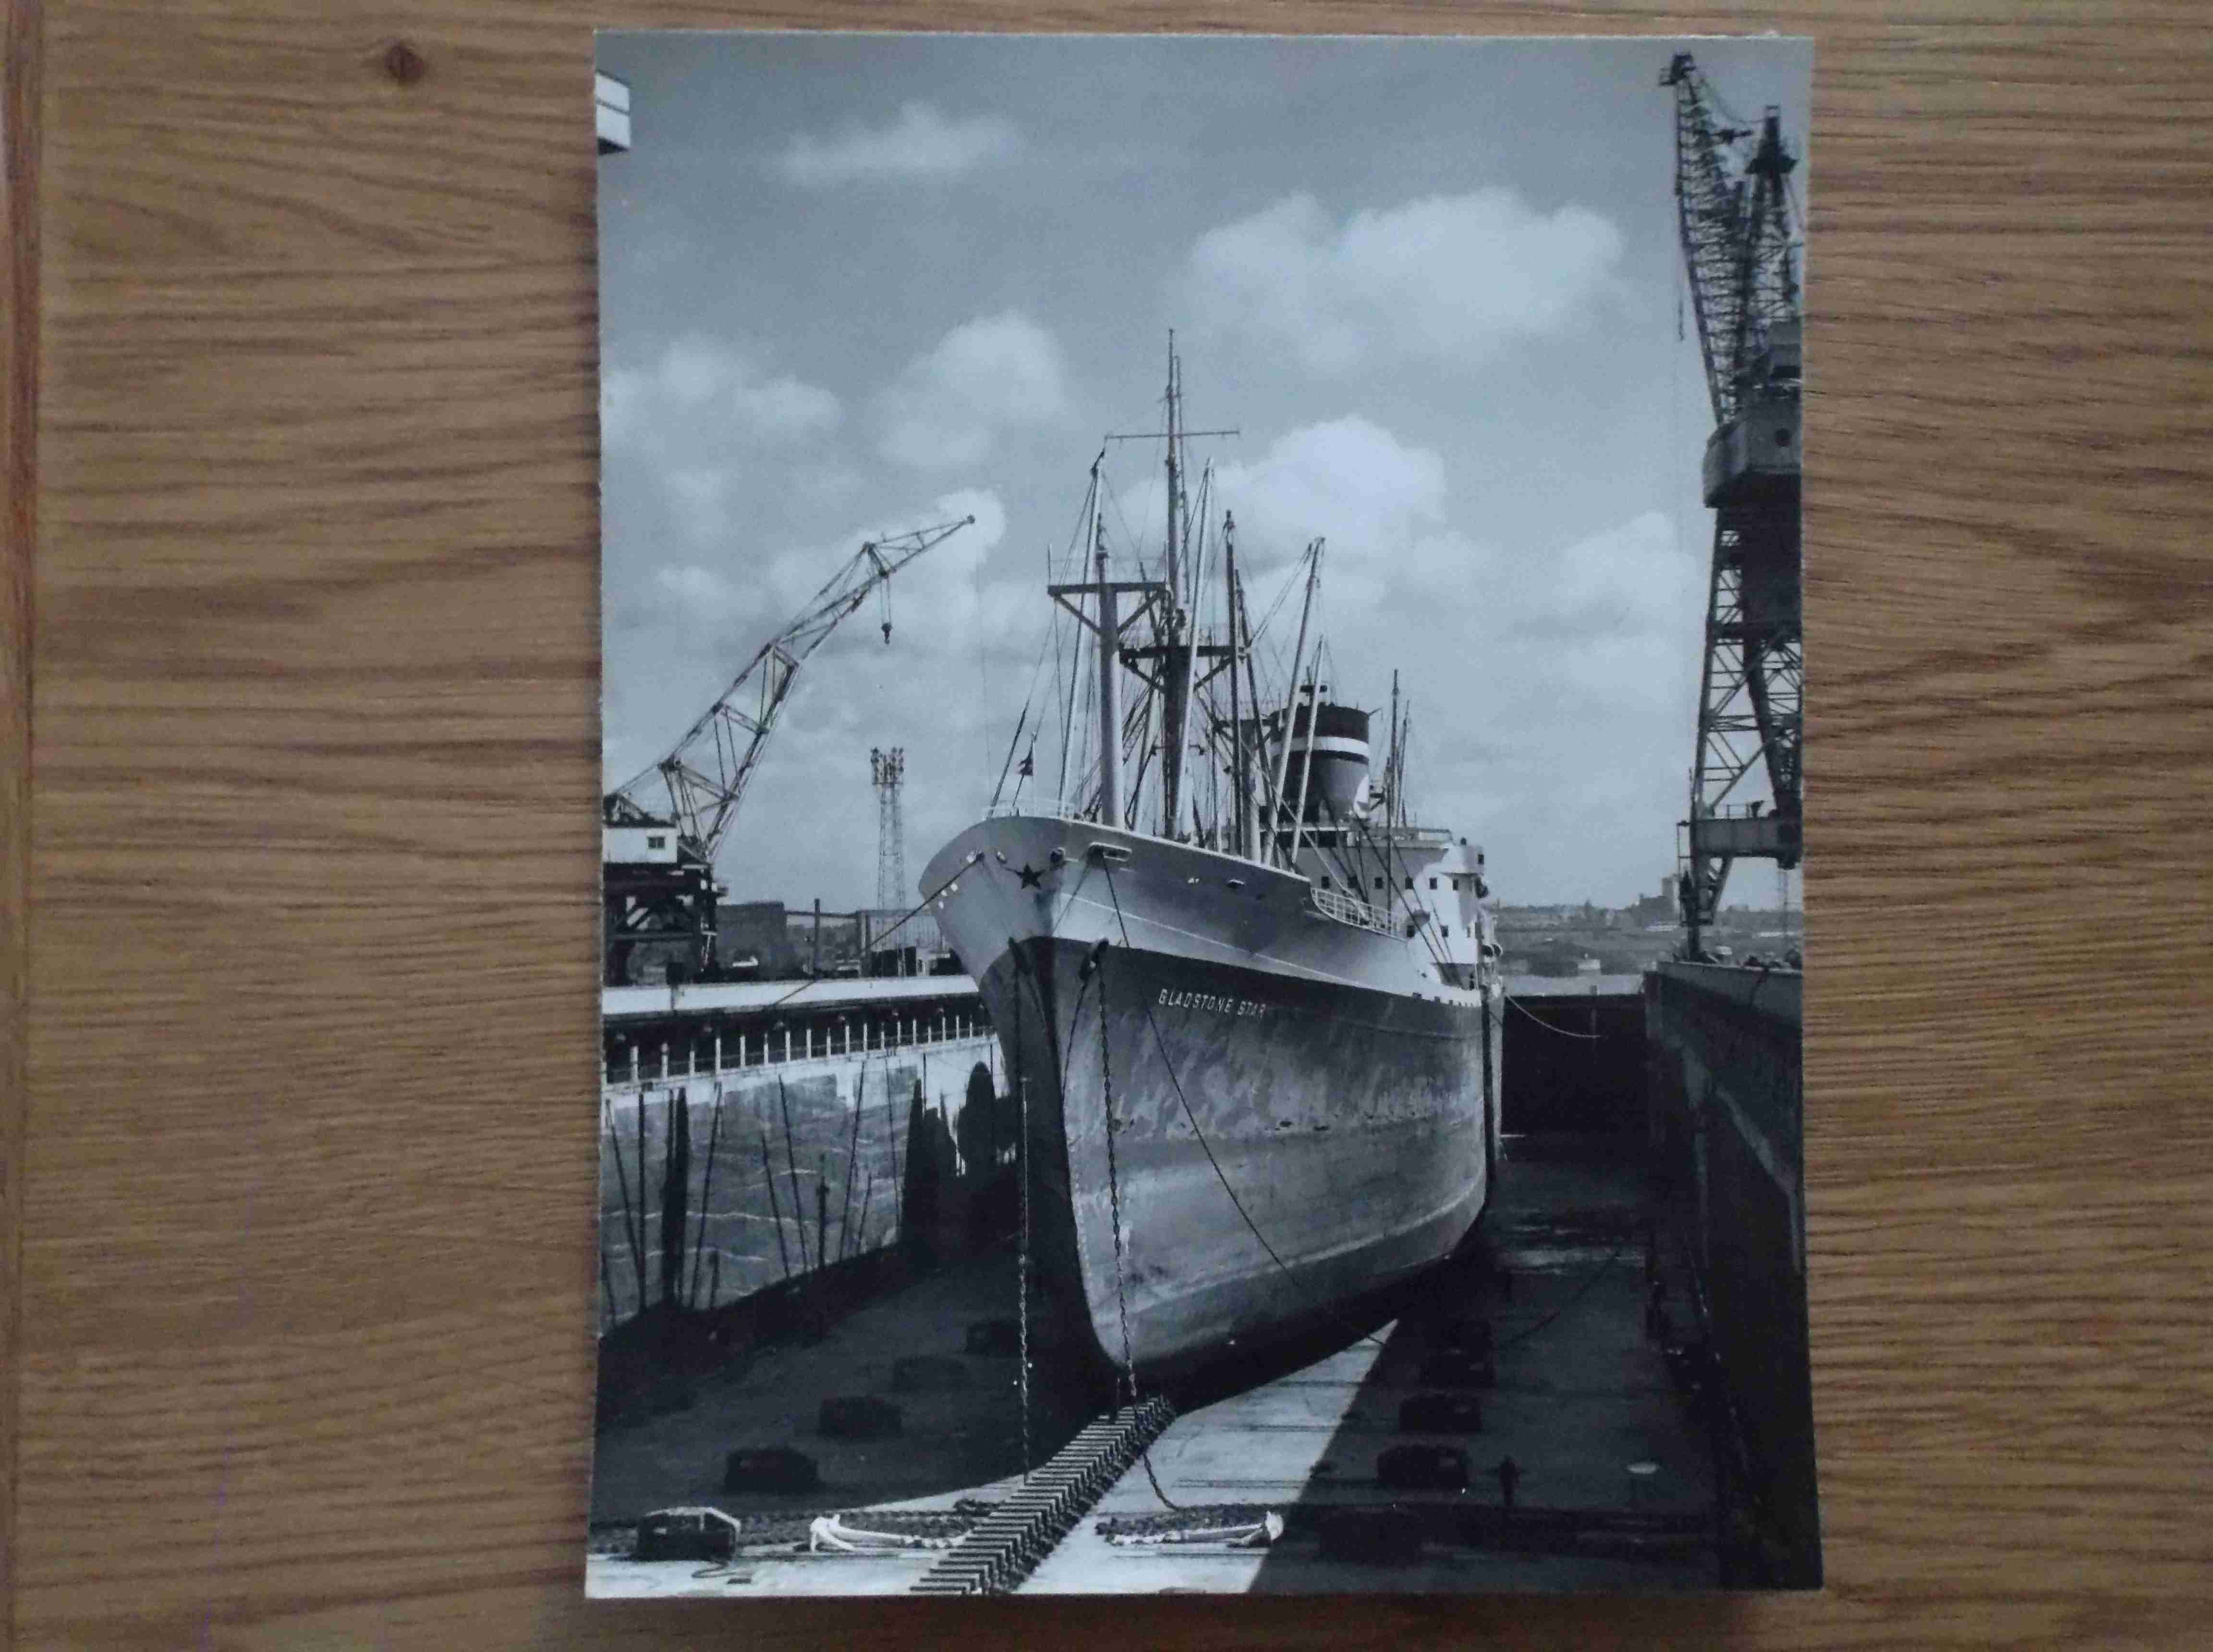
(871, 941)
(759, 931)
(1650, 910)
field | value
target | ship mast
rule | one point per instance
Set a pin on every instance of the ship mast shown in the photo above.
(1110, 700)
(1175, 657)
(1191, 649)
(1305, 761)
(1291, 698)
(1108, 626)
(1091, 521)
(1239, 780)
(1254, 801)
(1176, 479)
(1173, 644)
(1391, 764)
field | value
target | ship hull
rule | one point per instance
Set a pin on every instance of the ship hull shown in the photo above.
(1241, 1116)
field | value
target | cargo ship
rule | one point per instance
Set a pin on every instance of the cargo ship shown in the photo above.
(1248, 1008)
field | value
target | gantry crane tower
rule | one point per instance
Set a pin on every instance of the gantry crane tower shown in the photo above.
(1741, 254)
(659, 841)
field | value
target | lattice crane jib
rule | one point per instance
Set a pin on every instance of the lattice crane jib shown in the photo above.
(1740, 246)
(704, 777)
(656, 892)
(1741, 254)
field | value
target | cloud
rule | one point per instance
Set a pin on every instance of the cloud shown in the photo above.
(702, 384)
(1348, 479)
(1552, 686)
(1552, 680)
(1456, 276)
(919, 142)
(710, 606)
(1572, 616)
(688, 426)
(950, 406)
(1587, 649)
(1379, 502)
(1593, 629)
(1627, 582)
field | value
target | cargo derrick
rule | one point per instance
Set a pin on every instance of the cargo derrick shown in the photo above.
(659, 844)
(1741, 252)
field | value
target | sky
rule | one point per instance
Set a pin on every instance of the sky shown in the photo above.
(856, 284)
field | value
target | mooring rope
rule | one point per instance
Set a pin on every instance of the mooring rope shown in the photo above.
(1114, 1178)
(1582, 1291)
(1114, 1204)
(912, 913)
(1587, 1038)
(1022, 1249)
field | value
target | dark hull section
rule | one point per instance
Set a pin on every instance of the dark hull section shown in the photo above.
(1280, 1148)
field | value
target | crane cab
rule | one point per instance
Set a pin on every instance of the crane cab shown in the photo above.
(1752, 458)
(651, 844)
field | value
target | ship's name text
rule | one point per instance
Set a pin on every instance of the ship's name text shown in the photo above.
(1218, 1003)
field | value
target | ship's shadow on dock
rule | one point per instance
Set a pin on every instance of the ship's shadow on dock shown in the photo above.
(901, 1386)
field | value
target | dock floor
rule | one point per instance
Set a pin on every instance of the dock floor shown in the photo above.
(1615, 1488)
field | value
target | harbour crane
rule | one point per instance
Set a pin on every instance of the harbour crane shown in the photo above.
(661, 829)
(1742, 254)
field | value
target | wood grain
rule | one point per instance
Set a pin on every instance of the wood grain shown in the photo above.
(19, 453)
(303, 1351)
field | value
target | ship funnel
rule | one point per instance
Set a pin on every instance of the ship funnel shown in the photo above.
(1340, 760)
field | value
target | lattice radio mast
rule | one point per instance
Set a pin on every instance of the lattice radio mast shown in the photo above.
(889, 770)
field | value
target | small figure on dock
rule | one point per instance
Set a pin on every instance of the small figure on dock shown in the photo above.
(1509, 1476)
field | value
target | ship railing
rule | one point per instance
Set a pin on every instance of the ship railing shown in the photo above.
(646, 1064)
(1424, 836)
(1345, 910)
(1056, 808)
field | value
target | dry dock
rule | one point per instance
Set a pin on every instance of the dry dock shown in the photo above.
(1583, 1398)
(1613, 1483)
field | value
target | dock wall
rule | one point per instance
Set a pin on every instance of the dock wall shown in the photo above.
(1726, 1122)
(716, 1182)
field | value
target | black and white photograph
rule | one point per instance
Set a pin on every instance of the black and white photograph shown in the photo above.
(1202, 893)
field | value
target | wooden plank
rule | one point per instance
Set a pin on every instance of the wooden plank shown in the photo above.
(307, 1258)
(20, 133)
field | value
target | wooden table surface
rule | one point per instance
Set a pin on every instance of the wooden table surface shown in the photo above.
(301, 531)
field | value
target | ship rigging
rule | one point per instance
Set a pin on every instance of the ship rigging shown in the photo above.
(1213, 752)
